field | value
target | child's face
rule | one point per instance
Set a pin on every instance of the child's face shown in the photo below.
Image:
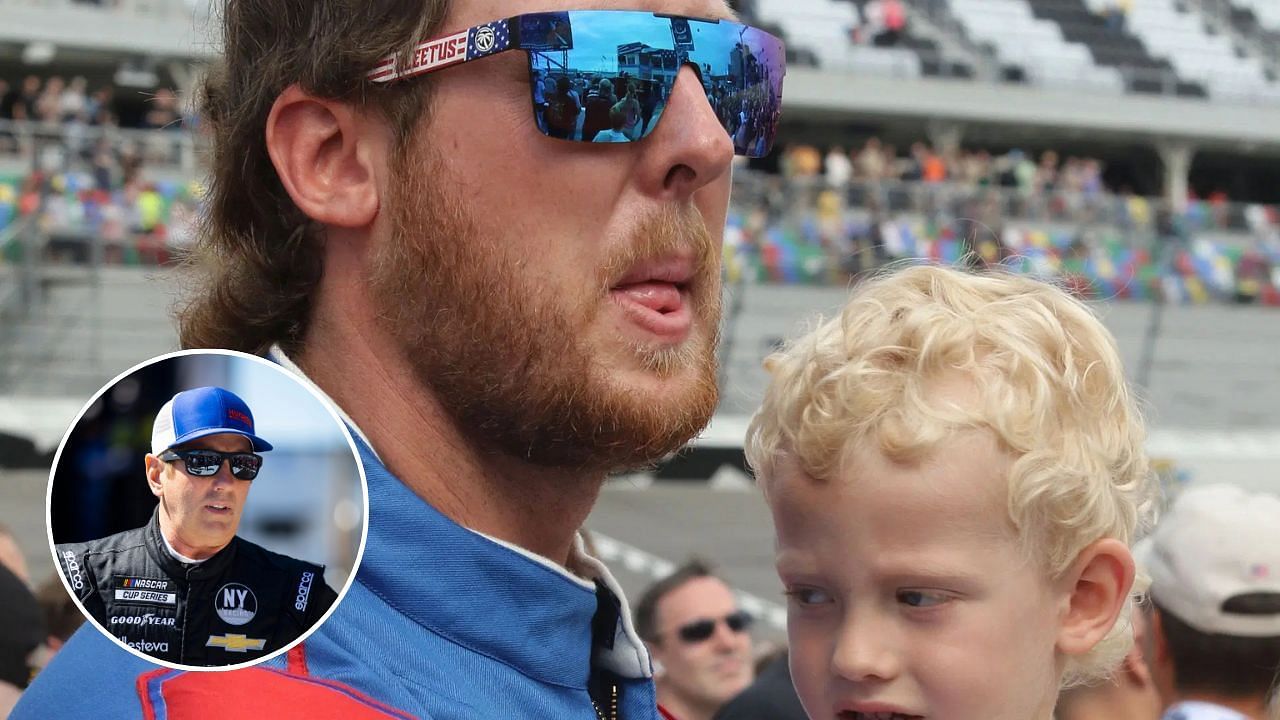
(907, 591)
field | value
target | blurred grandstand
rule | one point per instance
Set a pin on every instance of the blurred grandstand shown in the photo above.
(1127, 148)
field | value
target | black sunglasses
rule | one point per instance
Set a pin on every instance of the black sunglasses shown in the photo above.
(203, 463)
(700, 630)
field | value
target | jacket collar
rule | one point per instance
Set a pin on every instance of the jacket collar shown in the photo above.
(490, 596)
(176, 568)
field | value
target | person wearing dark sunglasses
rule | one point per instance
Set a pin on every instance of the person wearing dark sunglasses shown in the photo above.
(699, 638)
(185, 588)
(505, 310)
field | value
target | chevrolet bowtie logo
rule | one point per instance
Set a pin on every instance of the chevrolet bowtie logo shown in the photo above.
(235, 643)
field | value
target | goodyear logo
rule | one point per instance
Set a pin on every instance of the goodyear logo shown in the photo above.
(235, 643)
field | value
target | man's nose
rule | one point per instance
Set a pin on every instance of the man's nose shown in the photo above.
(688, 148)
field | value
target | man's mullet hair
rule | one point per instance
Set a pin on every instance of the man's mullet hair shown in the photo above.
(252, 275)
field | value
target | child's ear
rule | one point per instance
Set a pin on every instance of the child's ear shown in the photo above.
(1095, 589)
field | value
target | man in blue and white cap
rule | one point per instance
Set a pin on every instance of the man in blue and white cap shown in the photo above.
(184, 588)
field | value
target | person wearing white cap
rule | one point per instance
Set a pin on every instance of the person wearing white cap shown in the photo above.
(1214, 642)
(185, 588)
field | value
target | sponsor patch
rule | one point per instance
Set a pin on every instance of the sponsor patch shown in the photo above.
(304, 591)
(235, 643)
(147, 597)
(145, 646)
(144, 620)
(144, 591)
(235, 604)
(141, 583)
(73, 569)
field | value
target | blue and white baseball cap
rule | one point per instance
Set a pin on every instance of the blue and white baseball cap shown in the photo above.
(199, 412)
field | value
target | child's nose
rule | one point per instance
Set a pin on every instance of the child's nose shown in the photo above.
(864, 652)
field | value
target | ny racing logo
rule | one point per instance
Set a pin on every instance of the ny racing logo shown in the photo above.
(235, 604)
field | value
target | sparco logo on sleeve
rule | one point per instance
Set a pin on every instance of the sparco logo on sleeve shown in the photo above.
(304, 591)
(235, 604)
(73, 569)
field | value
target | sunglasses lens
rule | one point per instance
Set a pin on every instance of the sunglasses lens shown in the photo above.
(697, 631)
(606, 76)
(245, 466)
(738, 621)
(202, 464)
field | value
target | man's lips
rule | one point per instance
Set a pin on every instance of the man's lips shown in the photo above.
(673, 269)
(654, 297)
(218, 508)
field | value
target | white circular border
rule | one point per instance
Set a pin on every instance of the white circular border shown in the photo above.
(325, 402)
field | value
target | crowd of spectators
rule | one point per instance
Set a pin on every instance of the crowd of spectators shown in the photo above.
(876, 161)
(58, 102)
(829, 213)
(881, 23)
(1017, 184)
(832, 215)
(82, 174)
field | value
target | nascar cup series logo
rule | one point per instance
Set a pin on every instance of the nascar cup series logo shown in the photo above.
(484, 39)
(235, 604)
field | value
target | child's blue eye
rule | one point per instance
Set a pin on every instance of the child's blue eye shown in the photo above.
(808, 596)
(922, 598)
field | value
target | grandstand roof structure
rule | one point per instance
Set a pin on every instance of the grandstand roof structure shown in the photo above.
(80, 31)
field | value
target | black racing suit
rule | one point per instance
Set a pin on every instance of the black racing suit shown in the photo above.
(240, 604)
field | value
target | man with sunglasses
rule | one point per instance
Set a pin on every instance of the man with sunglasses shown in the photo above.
(184, 588)
(699, 640)
(504, 316)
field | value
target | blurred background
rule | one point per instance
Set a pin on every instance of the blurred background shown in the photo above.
(1127, 148)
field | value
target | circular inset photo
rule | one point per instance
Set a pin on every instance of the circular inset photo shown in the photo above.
(207, 509)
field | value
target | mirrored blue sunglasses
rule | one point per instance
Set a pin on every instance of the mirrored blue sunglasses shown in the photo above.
(606, 75)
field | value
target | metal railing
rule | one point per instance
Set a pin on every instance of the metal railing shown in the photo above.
(19, 288)
(58, 147)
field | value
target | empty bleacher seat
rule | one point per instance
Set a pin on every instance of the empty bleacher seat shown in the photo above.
(1035, 44)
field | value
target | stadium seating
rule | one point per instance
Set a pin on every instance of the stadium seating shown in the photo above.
(1208, 59)
(1267, 12)
(1036, 44)
(1104, 263)
(824, 28)
(137, 228)
(1162, 47)
(142, 228)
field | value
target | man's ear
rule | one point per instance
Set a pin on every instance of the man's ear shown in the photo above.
(155, 468)
(1096, 589)
(326, 154)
